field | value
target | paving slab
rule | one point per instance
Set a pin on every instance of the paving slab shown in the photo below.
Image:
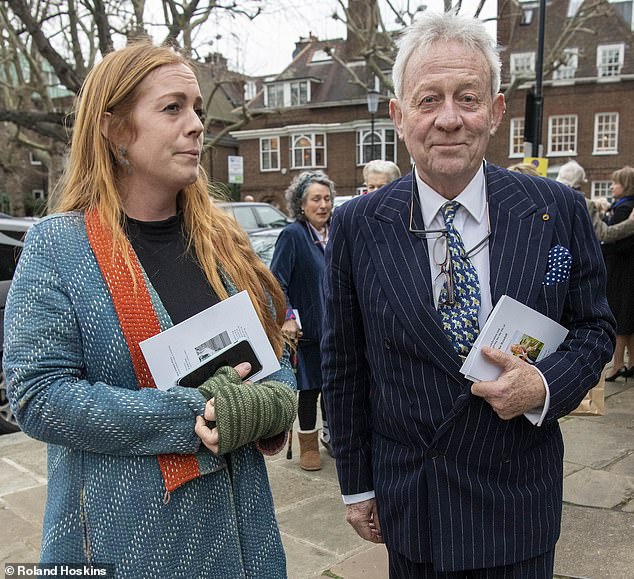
(595, 543)
(623, 466)
(595, 444)
(305, 560)
(370, 563)
(596, 488)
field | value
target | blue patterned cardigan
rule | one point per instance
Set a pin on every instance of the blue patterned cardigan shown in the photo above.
(72, 384)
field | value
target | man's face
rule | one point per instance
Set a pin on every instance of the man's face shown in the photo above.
(446, 114)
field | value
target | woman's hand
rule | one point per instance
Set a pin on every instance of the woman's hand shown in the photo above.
(292, 331)
(209, 436)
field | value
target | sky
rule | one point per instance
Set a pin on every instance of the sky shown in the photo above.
(265, 45)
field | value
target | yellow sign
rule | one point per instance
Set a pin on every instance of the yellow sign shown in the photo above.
(540, 163)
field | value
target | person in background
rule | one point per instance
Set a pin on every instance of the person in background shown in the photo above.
(574, 175)
(248, 199)
(525, 168)
(156, 483)
(298, 264)
(429, 462)
(378, 173)
(619, 260)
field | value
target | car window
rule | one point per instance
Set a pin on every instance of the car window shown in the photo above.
(269, 216)
(10, 249)
(245, 217)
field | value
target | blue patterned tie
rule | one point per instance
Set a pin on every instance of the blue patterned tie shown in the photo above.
(460, 319)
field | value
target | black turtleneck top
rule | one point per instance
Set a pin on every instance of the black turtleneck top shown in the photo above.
(173, 270)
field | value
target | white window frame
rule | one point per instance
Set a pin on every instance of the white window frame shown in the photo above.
(604, 66)
(384, 139)
(38, 194)
(522, 63)
(288, 89)
(568, 68)
(555, 134)
(271, 154)
(606, 129)
(312, 138)
(516, 131)
(250, 90)
(33, 160)
(277, 87)
(601, 189)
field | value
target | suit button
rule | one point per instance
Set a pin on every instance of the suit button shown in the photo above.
(432, 453)
(387, 343)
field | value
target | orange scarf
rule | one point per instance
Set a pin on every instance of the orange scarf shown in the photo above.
(138, 321)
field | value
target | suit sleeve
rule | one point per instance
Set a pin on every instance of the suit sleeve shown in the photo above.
(346, 386)
(579, 361)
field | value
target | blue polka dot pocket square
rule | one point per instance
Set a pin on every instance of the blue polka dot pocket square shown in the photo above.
(559, 264)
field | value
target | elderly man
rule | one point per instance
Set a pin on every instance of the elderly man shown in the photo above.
(458, 479)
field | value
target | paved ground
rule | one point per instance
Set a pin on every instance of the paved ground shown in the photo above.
(598, 523)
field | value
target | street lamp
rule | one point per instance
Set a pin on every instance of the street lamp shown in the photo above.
(373, 106)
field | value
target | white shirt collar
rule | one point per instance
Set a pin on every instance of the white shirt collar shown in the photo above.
(472, 198)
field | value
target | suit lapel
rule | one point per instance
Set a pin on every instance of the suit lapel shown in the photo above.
(401, 260)
(521, 232)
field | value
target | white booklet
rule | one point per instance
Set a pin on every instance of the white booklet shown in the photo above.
(186, 346)
(515, 329)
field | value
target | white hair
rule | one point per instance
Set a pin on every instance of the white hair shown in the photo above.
(387, 168)
(434, 27)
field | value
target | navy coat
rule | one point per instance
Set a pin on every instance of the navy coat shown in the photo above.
(455, 485)
(298, 264)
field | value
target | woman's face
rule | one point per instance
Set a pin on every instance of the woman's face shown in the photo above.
(617, 190)
(165, 154)
(317, 205)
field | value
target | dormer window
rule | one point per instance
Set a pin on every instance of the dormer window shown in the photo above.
(610, 60)
(287, 94)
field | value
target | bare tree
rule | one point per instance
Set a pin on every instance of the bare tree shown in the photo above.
(49, 45)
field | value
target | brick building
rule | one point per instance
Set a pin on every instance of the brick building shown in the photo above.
(588, 85)
(314, 115)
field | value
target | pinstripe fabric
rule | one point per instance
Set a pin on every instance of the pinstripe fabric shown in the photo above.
(455, 485)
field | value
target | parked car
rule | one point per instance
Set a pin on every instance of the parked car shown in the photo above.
(263, 243)
(12, 231)
(341, 199)
(253, 216)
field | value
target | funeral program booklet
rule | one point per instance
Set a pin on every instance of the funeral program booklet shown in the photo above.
(184, 347)
(515, 329)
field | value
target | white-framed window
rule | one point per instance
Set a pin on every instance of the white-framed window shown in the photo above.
(527, 16)
(308, 150)
(610, 60)
(567, 66)
(384, 145)
(38, 194)
(562, 135)
(250, 90)
(601, 189)
(320, 55)
(522, 64)
(606, 134)
(33, 160)
(287, 94)
(299, 92)
(269, 154)
(274, 95)
(516, 137)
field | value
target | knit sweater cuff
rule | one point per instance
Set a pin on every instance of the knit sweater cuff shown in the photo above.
(245, 411)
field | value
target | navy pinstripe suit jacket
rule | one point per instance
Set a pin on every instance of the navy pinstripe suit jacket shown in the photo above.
(455, 484)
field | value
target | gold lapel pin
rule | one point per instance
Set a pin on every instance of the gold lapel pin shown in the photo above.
(545, 217)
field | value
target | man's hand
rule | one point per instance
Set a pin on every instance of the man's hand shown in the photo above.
(519, 388)
(364, 520)
(209, 436)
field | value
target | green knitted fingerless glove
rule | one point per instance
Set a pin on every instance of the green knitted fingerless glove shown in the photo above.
(245, 411)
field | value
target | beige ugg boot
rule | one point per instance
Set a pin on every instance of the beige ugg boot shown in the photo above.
(309, 458)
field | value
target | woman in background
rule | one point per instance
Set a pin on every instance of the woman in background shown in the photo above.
(378, 173)
(298, 263)
(619, 260)
(137, 478)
